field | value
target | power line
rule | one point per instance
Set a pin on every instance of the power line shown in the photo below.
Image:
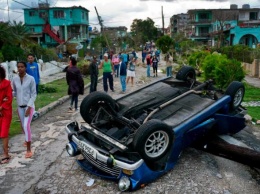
(21, 4)
(11, 10)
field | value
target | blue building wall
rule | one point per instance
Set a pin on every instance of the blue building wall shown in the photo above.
(68, 19)
(252, 34)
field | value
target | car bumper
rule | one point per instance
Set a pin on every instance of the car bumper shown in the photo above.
(100, 160)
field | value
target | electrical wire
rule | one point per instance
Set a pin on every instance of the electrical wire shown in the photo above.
(11, 10)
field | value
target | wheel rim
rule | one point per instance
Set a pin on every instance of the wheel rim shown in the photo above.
(156, 144)
(238, 97)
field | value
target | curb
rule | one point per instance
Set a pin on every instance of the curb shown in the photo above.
(42, 111)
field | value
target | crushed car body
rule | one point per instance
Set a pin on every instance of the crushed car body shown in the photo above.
(139, 137)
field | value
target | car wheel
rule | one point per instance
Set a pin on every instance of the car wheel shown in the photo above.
(92, 102)
(236, 91)
(153, 140)
(185, 73)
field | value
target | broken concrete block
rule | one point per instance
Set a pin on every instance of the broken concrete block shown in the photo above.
(248, 117)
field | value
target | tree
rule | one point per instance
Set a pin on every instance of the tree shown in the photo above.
(5, 37)
(222, 70)
(165, 43)
(19, 34)
(100, 42)
(222, 18)
(143, 30)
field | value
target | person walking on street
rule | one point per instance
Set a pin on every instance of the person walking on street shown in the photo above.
(123, 74)
(5, 113)
(124, 57)
(107, 67)
(24, 89)
(115, 62)
(131, 71)
(33, 70)
(157, 54)
(76, 84)
(155, 65)
(93, 70)
(168, 65)
(143, 55)
(148, 64)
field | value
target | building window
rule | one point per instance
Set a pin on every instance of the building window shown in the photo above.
(32, 30)
(203, 16)
(253, 16)
(70, 14)
(58, 14)
(87, 16)
(42, 14)
(82, 15)
(31, 13)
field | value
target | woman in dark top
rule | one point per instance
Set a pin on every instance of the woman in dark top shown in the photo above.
(155, 65)
(75, 82)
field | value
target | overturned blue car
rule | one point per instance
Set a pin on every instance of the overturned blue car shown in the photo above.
(139, 137)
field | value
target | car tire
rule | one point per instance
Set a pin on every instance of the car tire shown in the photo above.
(153, 140)
(92, 102)
(236, 91)
(185, 73)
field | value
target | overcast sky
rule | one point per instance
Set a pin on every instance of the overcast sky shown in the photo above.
(122, 12)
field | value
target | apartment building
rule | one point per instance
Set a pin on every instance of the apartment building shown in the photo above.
(52, 26)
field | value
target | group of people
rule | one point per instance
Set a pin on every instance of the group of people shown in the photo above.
(24, 87)
(120, 65)
(152, 58)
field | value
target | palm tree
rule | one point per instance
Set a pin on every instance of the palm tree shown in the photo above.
(19, 34)
(5, 37)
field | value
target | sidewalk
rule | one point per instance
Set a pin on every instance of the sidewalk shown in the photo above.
(253, 81)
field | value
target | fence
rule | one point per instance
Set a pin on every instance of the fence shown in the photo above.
(252, 69)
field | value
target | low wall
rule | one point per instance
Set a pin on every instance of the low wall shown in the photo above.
(50, 68)
(252, 69)
(46, 69)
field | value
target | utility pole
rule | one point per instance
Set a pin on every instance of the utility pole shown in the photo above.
(8, 11)
(102, 27)
(162, 22)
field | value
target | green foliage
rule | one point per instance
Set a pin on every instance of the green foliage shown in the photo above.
(187, 45)
(83, 66)
(165, 43)
(47, 54)
(228, 71)
(222, 70)
(143, 31)
(13, 33)
(100, 42)
(239, 52)
(12, 52)
(1, 57)
(251, 93)
(196, 58)
(46, 89)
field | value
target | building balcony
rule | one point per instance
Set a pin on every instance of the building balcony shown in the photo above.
(200, 36)
(201, 21)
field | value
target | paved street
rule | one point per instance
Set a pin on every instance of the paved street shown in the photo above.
(51, 170)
